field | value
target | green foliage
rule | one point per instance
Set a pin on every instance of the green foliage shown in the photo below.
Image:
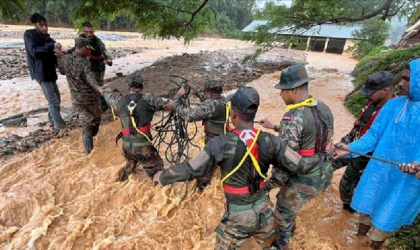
(372, 34)
(392, 60)
(355, 103)
(377, 50)
(238, 11)
(10, 8)
(162, 19)
(408, 237)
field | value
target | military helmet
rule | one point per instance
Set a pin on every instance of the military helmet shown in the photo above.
(293, 77)
(214, 86)
(135, 80)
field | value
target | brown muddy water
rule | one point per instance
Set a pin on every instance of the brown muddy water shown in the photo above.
(55, 197)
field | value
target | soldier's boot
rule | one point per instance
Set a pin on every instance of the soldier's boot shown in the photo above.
(376, 244)
(363, 229)
(125, 174)
(88, 142)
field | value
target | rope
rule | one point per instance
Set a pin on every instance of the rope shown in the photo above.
(368, 156)
(172, 132)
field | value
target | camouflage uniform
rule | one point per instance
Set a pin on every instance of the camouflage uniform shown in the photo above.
(213, 114)
(356, 166)
(247, 213)
(84, 94)
(136, 147)
(97, 58)
(306, 129)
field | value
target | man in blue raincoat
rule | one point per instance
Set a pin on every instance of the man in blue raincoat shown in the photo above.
(386, 197)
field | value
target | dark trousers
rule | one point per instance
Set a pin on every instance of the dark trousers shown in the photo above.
(147, 156)
(351, 178)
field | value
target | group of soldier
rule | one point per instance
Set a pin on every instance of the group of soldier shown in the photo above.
(301, 156)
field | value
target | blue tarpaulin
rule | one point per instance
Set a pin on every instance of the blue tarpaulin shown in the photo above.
(389, 196)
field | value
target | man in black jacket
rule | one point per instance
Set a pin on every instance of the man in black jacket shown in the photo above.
(40, 48)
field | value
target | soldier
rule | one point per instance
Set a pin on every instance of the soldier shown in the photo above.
(83, 90)
(135, 112)
(40, 48)
(244, 156)
(97, 57)
(306, 127)
(378, 90)
(214, 113)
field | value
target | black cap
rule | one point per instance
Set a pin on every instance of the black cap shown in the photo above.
(135, 80)
(377, 81)
(246, 99)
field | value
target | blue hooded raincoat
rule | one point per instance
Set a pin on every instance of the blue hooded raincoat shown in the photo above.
(389, 196)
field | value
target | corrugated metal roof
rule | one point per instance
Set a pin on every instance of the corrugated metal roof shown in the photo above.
(325, 30)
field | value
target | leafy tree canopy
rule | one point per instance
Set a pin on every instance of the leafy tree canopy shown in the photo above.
(186, 18)
(371, 35)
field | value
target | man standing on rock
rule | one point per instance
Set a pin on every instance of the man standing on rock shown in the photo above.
(98, 57)
(244, 156)
(214, 112)
(83, 89)
(42, 62)
(378, 89)
(307, 128)
(136, 112)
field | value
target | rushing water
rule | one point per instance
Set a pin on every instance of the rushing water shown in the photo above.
(57, 198)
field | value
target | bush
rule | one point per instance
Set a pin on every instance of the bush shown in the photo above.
(392, 60)
(408, 237)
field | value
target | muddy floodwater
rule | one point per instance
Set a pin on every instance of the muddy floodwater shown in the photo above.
(56, 197)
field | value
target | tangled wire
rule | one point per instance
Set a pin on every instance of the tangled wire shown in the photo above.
(172, 131)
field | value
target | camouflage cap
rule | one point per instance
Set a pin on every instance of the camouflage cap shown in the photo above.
(377, 81)
(214, 86)
(81, 41)
(246, 99)
(293, 77)
(135, 80)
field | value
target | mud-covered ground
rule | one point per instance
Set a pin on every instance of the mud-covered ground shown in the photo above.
(56, 197)
(225, 65)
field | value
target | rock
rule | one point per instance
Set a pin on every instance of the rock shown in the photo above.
(4, 142)
(17, 122)
(7, 151)
(31, 143)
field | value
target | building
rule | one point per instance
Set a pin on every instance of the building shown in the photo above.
(327, 38)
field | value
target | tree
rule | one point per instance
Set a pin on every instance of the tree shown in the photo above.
(8, 8)
(372, 34)
(157, 18)
(186, 18)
